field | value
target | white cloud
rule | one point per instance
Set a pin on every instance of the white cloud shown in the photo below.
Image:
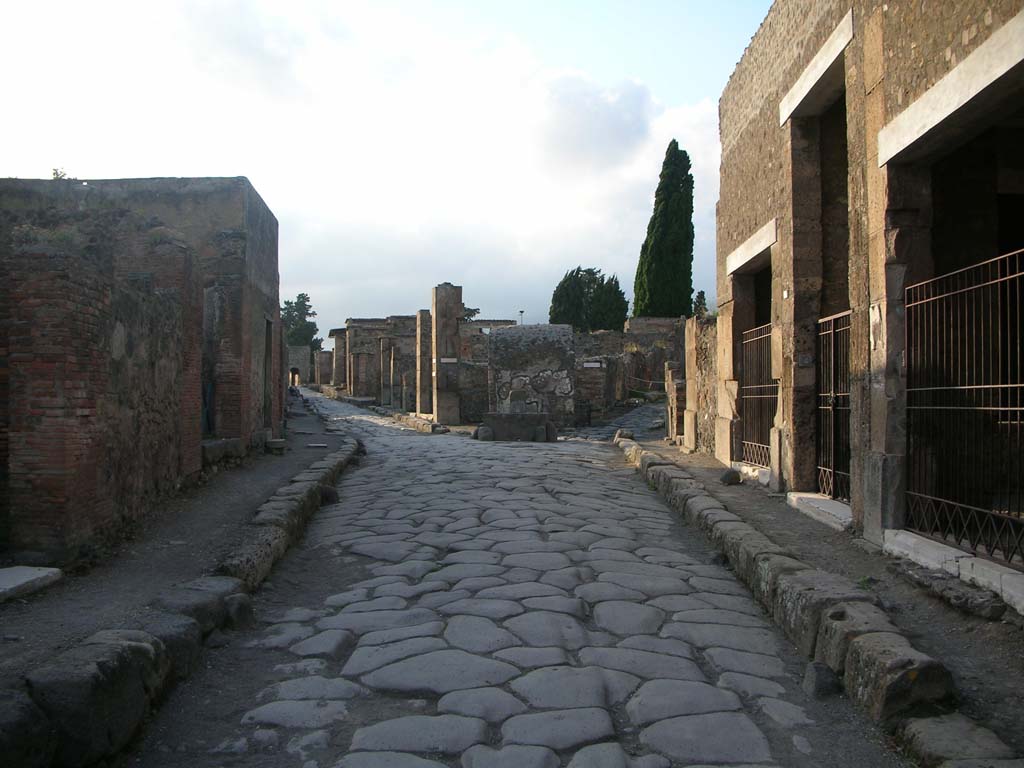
(394, 154)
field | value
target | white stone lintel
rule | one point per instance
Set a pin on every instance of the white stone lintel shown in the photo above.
(752, 254)
(986, 64)
(822, 79)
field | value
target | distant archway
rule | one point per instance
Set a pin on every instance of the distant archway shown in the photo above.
(293, 377)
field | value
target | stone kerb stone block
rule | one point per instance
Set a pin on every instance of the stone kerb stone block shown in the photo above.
(521, 427)
(767, 571)
(201, 599)
(26, 735)
(843, 622)
(886, 676)
(935, 740)
(97, 694)
(801, 598)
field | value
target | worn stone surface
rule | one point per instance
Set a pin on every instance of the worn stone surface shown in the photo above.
(933, 740)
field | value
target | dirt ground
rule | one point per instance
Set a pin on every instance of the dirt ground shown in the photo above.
(985, 656)
(181, 539)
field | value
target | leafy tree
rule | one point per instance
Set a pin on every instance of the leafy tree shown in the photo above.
(468, 313)
(608, 307)
(700, 305)
(664, 275)
(588, 301)
(299, 330)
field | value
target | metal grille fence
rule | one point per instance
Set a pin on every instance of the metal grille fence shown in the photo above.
(759, 395)
(834, 406)
(965, 407)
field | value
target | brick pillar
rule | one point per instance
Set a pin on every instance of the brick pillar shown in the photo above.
(424, 384)
(339, 375)
(446, 309)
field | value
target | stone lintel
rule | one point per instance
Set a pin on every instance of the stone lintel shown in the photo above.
(823, 79)
(754, 252)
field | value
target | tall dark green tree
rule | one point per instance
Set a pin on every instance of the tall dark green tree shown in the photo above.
(664, 275)
(608, 306)
(700, 304)
(588, 301)
(299, 329)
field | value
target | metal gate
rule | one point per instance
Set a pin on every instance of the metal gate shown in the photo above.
(834, 406)
(965, 399)
(759, 395)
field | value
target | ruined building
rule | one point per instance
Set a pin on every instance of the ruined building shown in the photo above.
(455, 370)
(871, 217)
(139, 321)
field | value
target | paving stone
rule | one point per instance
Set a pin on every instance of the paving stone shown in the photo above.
(437, 599)
(521, 591)
(368, 658)
(331, 643)
(478, 635)
(720, 617)
(648, 585)
(492, 704)
(546, 628)
(719, 737)
(720, 636)
(625, 618)
(782, 712)
(449, 734)
(570, 605)
(729, 660)
(413, 569)
(676, 603)
(730, 603)
(719, 586)
(314, 687)
(391, 551)
(491, 609)
(441, 672)
(658, 645)
(529, 658)
(471, 556)
(538, 561)
(344, 598)
(568, 578)
(476, 583)
(296, 615)
(566, 687)
(661, 699)
(283, 635)
(481, 756)
(385, 760)
(749, 685)
(429, 629)
(614, 756)
(531, 547)
(643, 663)
(409, 591)
(558, 729)
(304, 667)
(302, 713)
(600, 591)
(952, 737)
(454, 573)
(389, 603)
(372, 621)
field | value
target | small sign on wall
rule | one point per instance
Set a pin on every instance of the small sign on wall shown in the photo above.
(449, 359)
(594, 364)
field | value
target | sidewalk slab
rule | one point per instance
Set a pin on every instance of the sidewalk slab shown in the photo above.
(21, 580)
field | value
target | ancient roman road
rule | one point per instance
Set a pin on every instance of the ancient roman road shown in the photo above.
(487, 605)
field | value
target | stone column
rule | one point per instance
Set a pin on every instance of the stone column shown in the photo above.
(384, 396)
(424, 369)
(446, 309)
(350, 367)
(339, 373)
(689, 417)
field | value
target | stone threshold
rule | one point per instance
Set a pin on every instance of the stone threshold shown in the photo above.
(979, 571)
(841, 628)
(818, 506)
(22, 580)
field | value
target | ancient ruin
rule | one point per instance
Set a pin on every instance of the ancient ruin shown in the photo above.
(136, 332)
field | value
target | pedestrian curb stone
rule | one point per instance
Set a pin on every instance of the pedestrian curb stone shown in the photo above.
(832, 622)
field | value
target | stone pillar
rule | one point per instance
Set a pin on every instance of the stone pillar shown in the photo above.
(796, 301)
(424, 369)
(689, 418)
(446, 310)
(350, 367)
(384, 396)
(734, 317)
(339, 374)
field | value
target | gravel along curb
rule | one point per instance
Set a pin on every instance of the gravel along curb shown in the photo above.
(842, 630)
(88, 702)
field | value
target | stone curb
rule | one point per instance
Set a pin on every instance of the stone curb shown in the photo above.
(416, 422)
(88, 702)
(835, 623)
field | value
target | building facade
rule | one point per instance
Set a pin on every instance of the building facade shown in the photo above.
(870, 222)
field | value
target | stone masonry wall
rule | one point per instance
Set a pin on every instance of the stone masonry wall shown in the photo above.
(532, 370)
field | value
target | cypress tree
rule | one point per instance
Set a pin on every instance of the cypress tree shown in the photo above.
(664, 274)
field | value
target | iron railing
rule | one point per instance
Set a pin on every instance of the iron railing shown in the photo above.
(965, 408)
(759, 395)
(834, 406)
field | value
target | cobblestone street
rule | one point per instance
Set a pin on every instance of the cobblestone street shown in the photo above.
(494, 604)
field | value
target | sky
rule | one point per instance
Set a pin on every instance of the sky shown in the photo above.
(494, 145)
